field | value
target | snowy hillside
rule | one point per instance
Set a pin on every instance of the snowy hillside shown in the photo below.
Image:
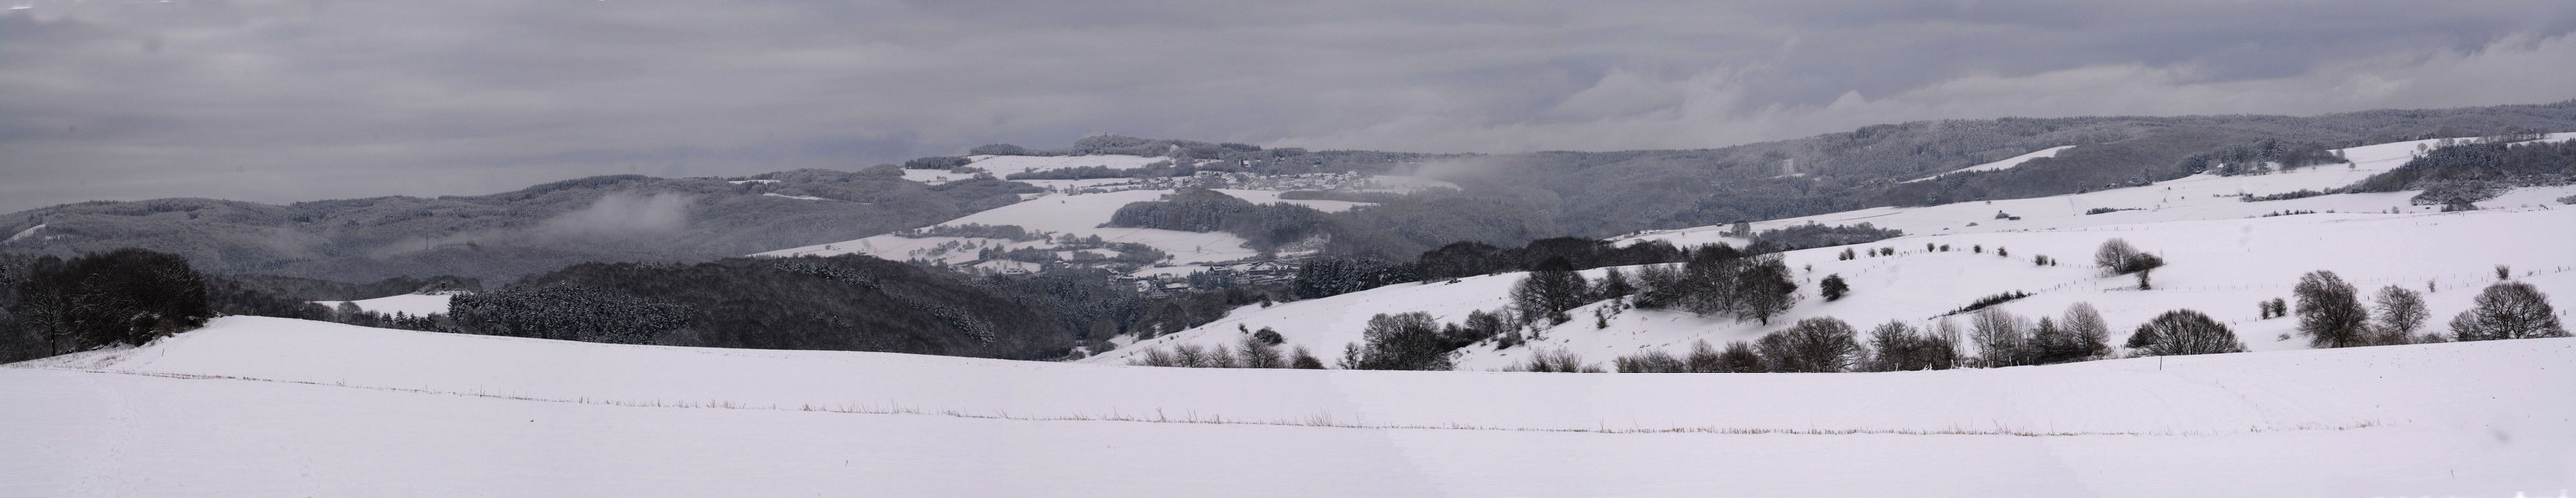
(1059, 215)
(419, 304)
(2001, 165)
(273, 406)
(2224, 255)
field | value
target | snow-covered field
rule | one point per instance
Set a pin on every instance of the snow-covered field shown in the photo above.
(2001, 165)
(434, 303)
(1077, 215)
(261, 406)
(1002, 166)
(2223, 256)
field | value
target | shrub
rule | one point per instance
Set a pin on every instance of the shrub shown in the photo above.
(1703, 358)
(2117, 257)
(1268, 336)
(2508, 310)
(1190, 355)
(1256, 353)
(1401, 341)
(1984, 302)
(1821, 344)
(1304, 359)
(1651, 361)
(1555, 361)
(1155, 357)
(1739, 357)
(1833, 287)
(1549, 291)
(2184, 332)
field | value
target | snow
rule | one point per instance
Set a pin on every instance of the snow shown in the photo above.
(1078, 215)
(2199, 197)
(410, 304)
(751, 182)
(2000, 165)
(22, 234)
(1005, 166)
(2223, 256)
(266, 406)
(796, 197)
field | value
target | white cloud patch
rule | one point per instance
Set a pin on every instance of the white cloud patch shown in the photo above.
(624, 215)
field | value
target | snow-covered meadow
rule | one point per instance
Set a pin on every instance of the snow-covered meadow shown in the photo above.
(2223, 256)
(273, 406)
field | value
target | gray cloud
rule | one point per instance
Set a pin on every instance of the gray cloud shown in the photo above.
(297, 100)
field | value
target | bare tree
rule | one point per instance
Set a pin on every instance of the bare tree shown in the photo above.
(1255, 353)
(2002, 338)
(2401, 312)
(2114, 255)
(1821, 344)
(2330, 311)
(2508, 310)
(2091, 332)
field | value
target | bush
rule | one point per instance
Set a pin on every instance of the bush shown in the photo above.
(2330, 311)
(1550, 291)
(1304, 359)
(1267, 336)
(2117, 257)
(1703, 358)
(1555, 361)
(1652, 361)
(1401, 341)
(2184, 332)
(1740, 357)
(1256, 353)
(2508, 310)
(127, 296)
(1821, 344)
(1984, 302)
(1833, 287)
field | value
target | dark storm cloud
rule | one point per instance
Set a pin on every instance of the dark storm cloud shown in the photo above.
(284, 101)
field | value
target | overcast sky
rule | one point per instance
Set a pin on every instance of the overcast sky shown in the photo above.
(304, 100)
